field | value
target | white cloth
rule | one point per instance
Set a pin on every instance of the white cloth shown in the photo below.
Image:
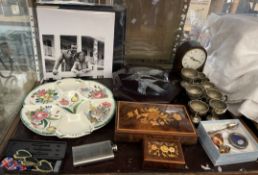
(232, 63)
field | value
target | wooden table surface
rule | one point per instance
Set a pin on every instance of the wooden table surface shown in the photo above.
(128, 158)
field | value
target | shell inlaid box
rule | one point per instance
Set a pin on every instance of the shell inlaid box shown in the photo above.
(160, 153)
(136, 120)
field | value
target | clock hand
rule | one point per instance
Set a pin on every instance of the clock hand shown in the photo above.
(195, 59)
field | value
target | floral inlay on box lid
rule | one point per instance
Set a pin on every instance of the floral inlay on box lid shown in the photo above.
(162, 150)
(68, 108)
(154, 117)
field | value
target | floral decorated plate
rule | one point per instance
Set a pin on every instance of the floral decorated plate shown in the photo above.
(68, 108)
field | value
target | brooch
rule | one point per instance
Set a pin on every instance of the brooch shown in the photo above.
(238, 140)
(217, 139)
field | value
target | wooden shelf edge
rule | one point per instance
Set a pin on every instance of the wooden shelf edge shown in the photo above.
(10, 132)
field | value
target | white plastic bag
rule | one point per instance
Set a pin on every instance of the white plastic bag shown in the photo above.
(232, 63)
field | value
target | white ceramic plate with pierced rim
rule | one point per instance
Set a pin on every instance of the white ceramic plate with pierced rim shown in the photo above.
(68, 108)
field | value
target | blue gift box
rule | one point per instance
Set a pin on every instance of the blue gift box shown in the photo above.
(248, 154)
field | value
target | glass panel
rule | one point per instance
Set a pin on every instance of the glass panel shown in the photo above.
(200, 9)
(17, 63)
(93, 2)
(152, 30)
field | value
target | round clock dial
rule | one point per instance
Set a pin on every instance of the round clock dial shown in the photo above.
(190, 54)
(194, 58)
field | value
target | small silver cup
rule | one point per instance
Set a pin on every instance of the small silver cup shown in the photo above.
(207, 84)
(189, 75)
(199, 108)
(213, 93)
(194, 92)
(218, 108)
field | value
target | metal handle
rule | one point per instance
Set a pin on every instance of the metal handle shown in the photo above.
(215, 131)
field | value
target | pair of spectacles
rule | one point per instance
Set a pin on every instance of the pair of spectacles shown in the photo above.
(26, 159)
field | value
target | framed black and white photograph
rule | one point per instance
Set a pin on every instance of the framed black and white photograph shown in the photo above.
(76, 43)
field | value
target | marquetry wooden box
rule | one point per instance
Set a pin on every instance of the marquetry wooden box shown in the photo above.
(134, 120)
(162, 153)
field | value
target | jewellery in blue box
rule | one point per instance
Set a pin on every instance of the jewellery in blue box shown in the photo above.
(238, 140)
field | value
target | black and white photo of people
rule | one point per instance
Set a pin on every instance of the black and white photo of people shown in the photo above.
(74, 58)
(82, 45)
(81, 65)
